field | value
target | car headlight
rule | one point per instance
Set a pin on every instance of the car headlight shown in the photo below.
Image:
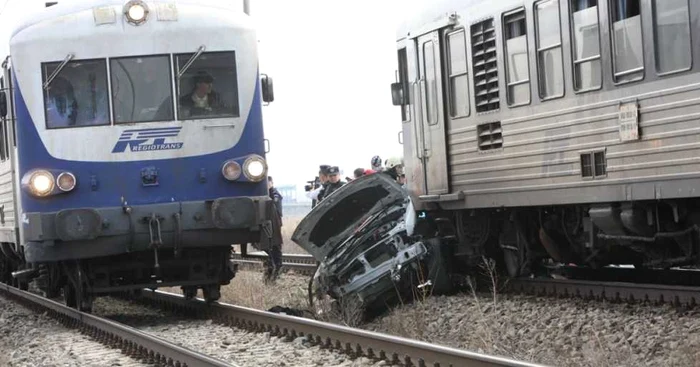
(66, 181)
(41, 183)
(255, 168)
(231, 170)
(136, 12)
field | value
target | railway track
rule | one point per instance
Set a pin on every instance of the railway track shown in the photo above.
(132, 342)
(611, 291)
(300, 263)
(355, 342)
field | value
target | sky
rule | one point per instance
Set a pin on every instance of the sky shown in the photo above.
(332, 63)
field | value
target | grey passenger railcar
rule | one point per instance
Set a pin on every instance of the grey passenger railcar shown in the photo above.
(555, 129)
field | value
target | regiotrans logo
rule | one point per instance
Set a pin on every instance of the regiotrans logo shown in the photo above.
(147, 140)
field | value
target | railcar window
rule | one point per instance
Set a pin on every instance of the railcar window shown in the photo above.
(430, 82)
(403, 78)
(141, 89)
(628, 53)
(672, 36)
(549, 51)
(585, 31)
(209, 87)
(459, 83)
(3, 132)
(78, 95)
(515, 32)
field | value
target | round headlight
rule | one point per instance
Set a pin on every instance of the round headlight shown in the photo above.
(136, 12)
(231, 170)
(41, 183)
(255, 168)
(66, 181)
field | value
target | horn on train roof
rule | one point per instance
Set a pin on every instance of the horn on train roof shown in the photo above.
(246, 6)
(50, 3)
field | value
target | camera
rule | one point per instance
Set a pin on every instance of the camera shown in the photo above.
(313, 184)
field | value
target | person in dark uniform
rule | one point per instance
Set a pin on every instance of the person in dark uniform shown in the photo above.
(323, 175)
(334, 182)
(202, 100)
(274, 263)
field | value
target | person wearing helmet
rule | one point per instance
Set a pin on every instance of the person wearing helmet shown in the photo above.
(377, 164)
(394, 167)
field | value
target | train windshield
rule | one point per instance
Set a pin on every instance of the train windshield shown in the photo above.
(208, 88)
(77, 95)
(141, 89)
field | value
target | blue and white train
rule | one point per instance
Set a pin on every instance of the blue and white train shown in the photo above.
(132, 152)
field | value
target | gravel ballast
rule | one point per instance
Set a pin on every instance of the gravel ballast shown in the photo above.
(33, 339)
(236, 346)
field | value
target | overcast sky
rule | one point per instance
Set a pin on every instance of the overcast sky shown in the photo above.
(332, 63)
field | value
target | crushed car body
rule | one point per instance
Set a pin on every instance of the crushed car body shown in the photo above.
(362, 237)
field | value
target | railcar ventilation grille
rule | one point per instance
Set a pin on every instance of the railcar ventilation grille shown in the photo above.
(490, 136)
(485, 66)
(594, 165)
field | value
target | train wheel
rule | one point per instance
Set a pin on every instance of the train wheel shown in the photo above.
(189, 292)
(69, 295)
(212, 293)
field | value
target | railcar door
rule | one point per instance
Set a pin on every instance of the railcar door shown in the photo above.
(431, 147)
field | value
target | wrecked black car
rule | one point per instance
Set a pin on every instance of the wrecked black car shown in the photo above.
(363, 238)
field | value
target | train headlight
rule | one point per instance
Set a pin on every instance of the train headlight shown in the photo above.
(66, 181)
(136, 12)
(255, 168)
(41, 183)
(231, 170)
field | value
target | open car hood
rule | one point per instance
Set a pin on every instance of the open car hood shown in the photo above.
(336, 217)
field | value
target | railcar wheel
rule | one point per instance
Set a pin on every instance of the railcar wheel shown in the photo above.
(189, 292)
(212, 293)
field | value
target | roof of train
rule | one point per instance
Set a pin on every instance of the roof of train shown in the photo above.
(71, 7)
(429, 11)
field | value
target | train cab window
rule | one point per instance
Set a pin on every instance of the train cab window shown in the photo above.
(459, 83)
(550, 66)
(515, 33)
(672, 36)
(208, 87)
(141, 89)
(585, 33)
(627, 45)
(77, 94)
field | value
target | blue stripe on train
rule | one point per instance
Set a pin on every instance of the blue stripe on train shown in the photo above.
(180, 179)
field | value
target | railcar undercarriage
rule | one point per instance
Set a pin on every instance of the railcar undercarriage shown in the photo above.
(80, 281)
(658, 235)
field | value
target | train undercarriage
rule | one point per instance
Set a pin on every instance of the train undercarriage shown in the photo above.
(79, 282)
(526, 241)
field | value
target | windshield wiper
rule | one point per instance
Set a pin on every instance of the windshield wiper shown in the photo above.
(53, 75)
(190, 61)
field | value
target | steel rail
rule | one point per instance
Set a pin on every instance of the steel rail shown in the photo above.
(131, 341)
(355, 342)
(613, 291)
(287, 258)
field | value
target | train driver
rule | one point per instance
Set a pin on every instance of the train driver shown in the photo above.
(61, 106)
(202, 100)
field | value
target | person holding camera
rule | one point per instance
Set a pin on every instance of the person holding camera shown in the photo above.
(316, 187)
